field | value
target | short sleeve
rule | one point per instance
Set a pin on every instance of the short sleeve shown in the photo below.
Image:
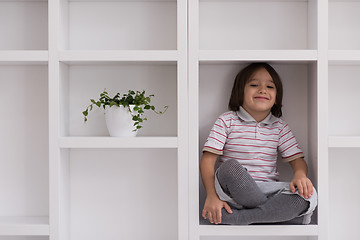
(288, 146)
(217, 137)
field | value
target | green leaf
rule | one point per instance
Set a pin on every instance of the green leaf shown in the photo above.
(85, 113)
(98, 104)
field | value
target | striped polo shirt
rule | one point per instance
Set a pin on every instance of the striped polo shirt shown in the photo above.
(256, 145)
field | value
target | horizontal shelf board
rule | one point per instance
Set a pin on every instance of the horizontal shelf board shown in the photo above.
(123, 0)
(344, 141)
(24, 1)
(259, 230)
(36, 226)
(16, 57)
(258, 55)
(127, 56)
(344, 56)
(118, 142)
(253, 1)
(344, 0)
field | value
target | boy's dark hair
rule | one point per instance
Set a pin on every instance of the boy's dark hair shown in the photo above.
(237, 93)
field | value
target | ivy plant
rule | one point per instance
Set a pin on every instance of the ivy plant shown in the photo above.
(138, 99)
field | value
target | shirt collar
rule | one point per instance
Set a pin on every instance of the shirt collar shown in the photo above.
(245, 116)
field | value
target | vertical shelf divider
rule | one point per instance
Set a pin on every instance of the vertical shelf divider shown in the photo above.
(183, 121)
(193, 74)
(323, 162)
(56, 218)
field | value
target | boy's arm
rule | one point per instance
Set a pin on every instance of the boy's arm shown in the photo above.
(300, 180)
(213, 205)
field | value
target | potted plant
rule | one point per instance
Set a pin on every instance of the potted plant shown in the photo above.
(124, 114)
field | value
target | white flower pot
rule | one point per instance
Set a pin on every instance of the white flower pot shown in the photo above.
(119, 121)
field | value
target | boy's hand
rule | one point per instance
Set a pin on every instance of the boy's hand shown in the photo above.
(212, 209)
(303, 184)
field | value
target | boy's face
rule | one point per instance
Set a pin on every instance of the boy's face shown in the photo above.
(259, 93)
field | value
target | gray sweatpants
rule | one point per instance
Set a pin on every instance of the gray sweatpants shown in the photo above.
(259, 202)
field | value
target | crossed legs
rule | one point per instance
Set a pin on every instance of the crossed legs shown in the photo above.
(258, 208)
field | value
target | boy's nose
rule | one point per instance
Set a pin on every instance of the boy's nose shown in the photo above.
(262, 90)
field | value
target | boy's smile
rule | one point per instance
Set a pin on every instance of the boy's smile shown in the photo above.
(259, 95)
(262, 98)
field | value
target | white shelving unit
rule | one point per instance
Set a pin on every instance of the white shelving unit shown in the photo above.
(62, 179)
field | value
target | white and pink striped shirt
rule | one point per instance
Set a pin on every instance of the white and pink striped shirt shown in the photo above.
(237, 135)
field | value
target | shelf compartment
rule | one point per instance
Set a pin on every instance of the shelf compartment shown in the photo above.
(79, 82)
(224, 25)
(343, 100)
(101, 186)
(344, 32)
(24, 226)
(119, 25)
(24, 162)
(113, 142)
(299, 110)
(24, 25)
(129, 56)
(258, 55)
(343, 179)
(344, 142)
(259, 230)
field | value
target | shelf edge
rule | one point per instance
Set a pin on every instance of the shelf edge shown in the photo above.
(343, 56)
(25, 56)
(24, 226)
(129, 56)
(114, 142)
(344, 142)
(258, 55)
(258, 230)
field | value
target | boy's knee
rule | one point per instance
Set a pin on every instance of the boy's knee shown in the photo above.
(231, 163)
(231, 167)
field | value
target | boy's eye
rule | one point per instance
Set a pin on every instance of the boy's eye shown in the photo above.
(253, 85)
(270, 86)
